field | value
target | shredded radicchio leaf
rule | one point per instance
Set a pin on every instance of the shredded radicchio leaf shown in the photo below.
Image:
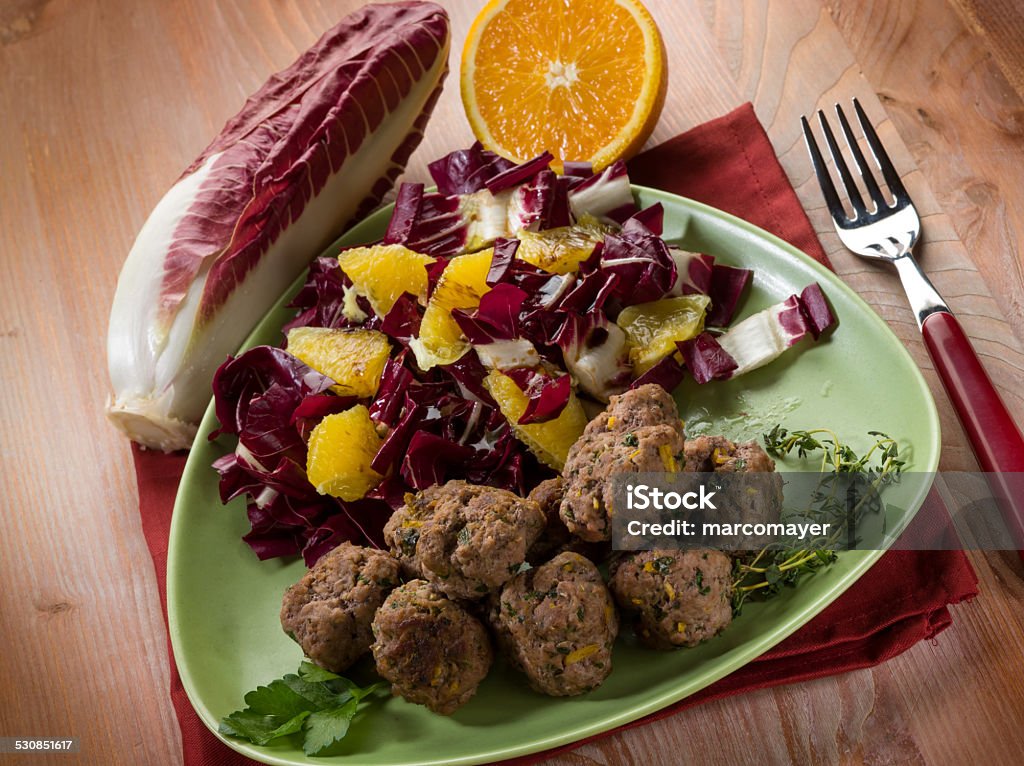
(467, 170)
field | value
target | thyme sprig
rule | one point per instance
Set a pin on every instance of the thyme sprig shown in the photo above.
(764, 574)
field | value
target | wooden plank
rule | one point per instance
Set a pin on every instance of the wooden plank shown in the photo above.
(998, 27)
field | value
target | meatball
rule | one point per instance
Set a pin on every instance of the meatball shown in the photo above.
(586, 507)
(647, 405)
(432, 650)
(548, 494)
(761, 500)
(716, 453)
(640, 431)
(467, 540)
(556, 536)
(329, 610)
(678, 598)
(700, 453)
(557, 623)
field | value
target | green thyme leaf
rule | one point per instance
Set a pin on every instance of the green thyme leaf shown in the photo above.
(763, 574)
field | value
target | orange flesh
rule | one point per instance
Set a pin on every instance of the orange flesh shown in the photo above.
(573, 77)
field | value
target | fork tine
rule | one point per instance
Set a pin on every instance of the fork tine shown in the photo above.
(844, 172)
(828, 189)
(862, 164)
(892, 178)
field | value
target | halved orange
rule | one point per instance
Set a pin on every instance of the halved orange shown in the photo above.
(583, 79)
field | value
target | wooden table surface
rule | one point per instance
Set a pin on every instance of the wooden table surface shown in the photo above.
(103, 102)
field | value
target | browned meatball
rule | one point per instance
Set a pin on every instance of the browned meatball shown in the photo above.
(678, 598)
(701, 453)
(555, 535)
(467, 540)
(548, 494)
(330, 609)
(716, 453)
(762, 498)
(639, 432)
(749, 457)
(432, 650)
(587, 505)
(558, 623)
(647, 405)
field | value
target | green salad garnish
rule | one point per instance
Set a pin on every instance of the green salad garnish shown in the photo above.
(316, 703)
(763, 574)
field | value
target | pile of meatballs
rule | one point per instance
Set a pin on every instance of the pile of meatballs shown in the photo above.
(473, 567)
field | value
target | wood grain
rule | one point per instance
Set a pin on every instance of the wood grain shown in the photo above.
(103, 103)
(997, 24)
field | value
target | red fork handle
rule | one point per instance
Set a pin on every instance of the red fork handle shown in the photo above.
(995, 438)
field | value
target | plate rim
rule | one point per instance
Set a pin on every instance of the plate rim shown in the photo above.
(793, 621)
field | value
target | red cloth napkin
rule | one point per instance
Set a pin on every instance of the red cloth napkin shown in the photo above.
(728, 163)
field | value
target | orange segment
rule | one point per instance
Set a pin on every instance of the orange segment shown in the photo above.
(563, 249)
(550, 440)
(341, 448)
(354, 359)
(461, 286)
(383, 272)
(583, 79)
(652, 329)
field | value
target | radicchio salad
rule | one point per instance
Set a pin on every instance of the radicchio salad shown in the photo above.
(469, 344)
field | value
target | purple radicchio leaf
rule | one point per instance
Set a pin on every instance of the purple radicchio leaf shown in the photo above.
(428, 223)
(605, 195)
(467, 170)
(540, 203)
(519, 173)
(694, 272)
(816, 309)
(241, 379)
(496, 318)
(727, 286)
(501, 260)
(321, 300)
(431, 459)
(642, 261)
(667, 373)
(402, 322)
(706, 359)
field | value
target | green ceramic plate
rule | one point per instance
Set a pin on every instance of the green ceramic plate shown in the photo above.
(223, 604)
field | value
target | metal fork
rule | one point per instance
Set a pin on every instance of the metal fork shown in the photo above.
(888, 231)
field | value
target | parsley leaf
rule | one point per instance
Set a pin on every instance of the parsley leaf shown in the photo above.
(260, 729)
(278, 699)
(310, 672)
(326, 727)
(316, 702)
